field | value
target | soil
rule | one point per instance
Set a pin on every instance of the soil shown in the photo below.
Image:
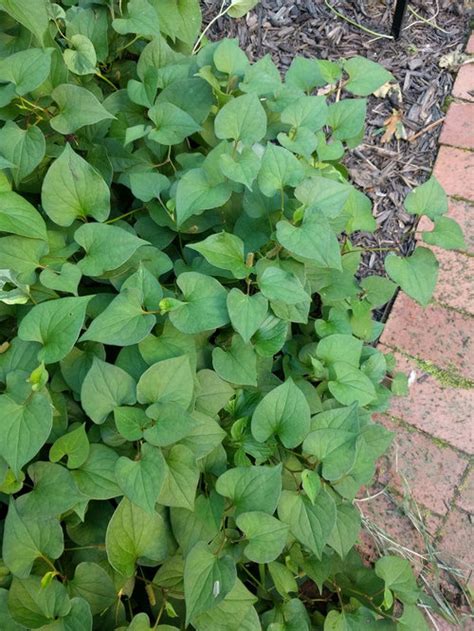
(386, 171)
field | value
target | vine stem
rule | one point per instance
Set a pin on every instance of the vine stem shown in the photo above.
(430, 21)
(130, 212)
(104, 78)
(221, 14)
(354, 23)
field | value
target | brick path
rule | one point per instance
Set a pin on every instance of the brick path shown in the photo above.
(429, 472)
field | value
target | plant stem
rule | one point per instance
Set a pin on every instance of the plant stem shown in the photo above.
(221, 13)
(104, 78)
(354, 23)
(130, 212)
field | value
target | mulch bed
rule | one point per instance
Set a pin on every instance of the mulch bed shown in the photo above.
(384, 171)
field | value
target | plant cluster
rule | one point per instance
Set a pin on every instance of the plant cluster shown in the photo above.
(187, 367)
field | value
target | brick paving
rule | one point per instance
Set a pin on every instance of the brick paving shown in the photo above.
(430, 464)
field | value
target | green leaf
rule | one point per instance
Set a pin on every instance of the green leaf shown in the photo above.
(262, 77)
(351, 385)
(34, 605)
(130, 422)
(277, 284)
(148, 186)
(106, 387)
(107, 247)
(243, 118)
(347, 118)
(133, 535)
(237, 365)
(163, 430)
(365, 76)
(283, 579)
(311, 483)
(378, 290)
(340, 348)
(77, 107)
(18, 216)
(279, 168)
(212, 392)
(141, 480)
(92, 583)
(270, 337)
(167, 381)
(25, 149)
(246, 313)
(66, 279)
(428, 199)
(242, 167)
(56, 324)
(307, 74)
(79, 617)
(72, 188)
(309, 112)
(74, 445)
(80, 58)
(200, 524)
(446, 234)
(284, 412)
(96, 477)
(346, 530)
(229, 58)
(207, 580)
(327, 196)
(204, 304)
(179, 486)
(224, 250)
(311, 524)
(238, 8)
(398, 578)
(234, 613)
(123, 323)
(196, 192)
(314, 240)
(22, 255)
(416, 274)
(26, 69)
(142, 19)
(173, 124)
(267, 536)
(253, 488)
(27, 538)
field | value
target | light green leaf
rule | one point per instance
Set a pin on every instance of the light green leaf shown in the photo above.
(378, 290)
(307, 74)
(340, 348)
(238, 8)
(346, 530)
(133, 534)
(416, 274)
(147, 186)
(428, 199)
(92, 583)
(212, 392)
(267, 536)
(141, 480)
(207, 580)
(74, 445)
(142, 19)
(224, 250)
(96, 477)
(242, 167)
(237, 365)
(204, 304)
(327, 196)
(313, 240)
(270, 337)
(234, 613)
(283, 579)
(106, 387)
(347, 118)
(66, 279)
(56, 324)
(27, 69)
(24, 148)
(80, 58)
(179, 20)
(33, 17)
(72, 188)
(398, 576)
(107, 247)
(229, 58)
(309, 112)
(261, 77)
(163, 429)
(18, 216)
(247, 313)
(284, 412)
(196, 192)
(253, 488)
(311, 483)
(77, 107)
(131, 422)
(446, 234)
(27, 538)
(351, 385)
(180, 483)
(279, 168)
(173, 124)
(311, 524)
(36, 606)
(279, 285)
(243, 118)
(365, 76)
(79, 617)
(200, 524)
(167, 381)
(123, 322)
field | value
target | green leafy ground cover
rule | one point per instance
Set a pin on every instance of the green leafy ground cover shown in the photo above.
(187, 370)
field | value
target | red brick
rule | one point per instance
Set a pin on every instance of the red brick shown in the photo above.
(470, 45)
(464, 84)
(456, 546)
(455, 286)
(416, 465)
(439, 335)
(463, 213)
(458, 128)
(466, 494)
(454, 169)
(439, 410)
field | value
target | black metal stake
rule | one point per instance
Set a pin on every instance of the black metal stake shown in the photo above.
(398, 16)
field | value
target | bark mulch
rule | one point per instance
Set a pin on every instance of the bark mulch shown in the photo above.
(424, 61)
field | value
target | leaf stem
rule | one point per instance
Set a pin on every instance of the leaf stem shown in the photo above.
(104, 78)
(127, 214)
(221, 13)
(354, 23)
